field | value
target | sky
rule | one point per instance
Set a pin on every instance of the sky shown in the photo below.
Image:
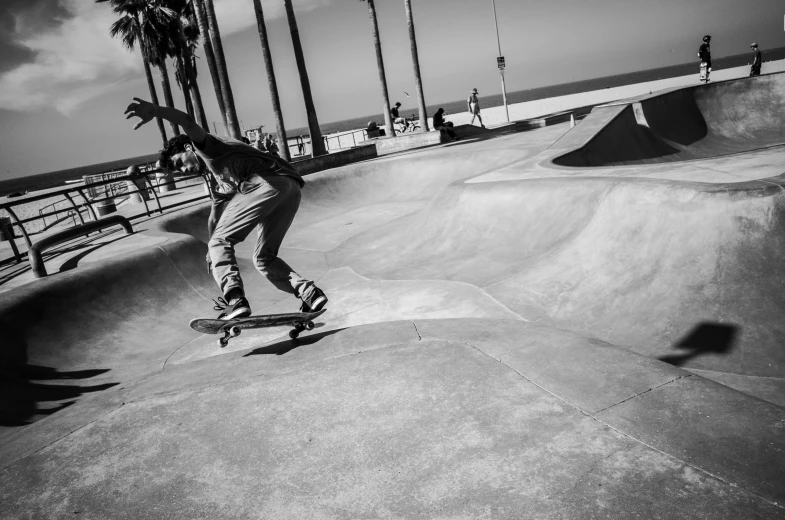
(64, 83)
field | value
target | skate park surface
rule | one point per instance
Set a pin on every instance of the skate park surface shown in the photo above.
(561, 323)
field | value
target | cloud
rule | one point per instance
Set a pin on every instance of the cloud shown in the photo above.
(70, 57)
(236, 15)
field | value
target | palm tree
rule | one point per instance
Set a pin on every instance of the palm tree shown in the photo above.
(317, 143)
(283, 144)
(201, 19)
(187, 35)
(167, 88)
(223, 74)
(388, 123)
(134, 28)
(416, 62)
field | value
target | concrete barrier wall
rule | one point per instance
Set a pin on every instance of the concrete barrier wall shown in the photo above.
(334, 160)
(408, 141)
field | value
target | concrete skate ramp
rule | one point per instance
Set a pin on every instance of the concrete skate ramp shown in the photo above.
(691, 123)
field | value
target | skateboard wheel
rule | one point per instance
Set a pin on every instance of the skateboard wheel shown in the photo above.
(309, 325)
(223, 342)
(294, 333)
(234, 332)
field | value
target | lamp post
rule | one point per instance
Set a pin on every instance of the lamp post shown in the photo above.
(500, 62)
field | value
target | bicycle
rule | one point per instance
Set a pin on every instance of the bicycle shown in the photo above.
(410, 125)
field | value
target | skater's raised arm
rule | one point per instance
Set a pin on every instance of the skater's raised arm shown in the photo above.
(146, 111)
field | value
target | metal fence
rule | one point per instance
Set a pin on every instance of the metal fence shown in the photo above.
(80, 204)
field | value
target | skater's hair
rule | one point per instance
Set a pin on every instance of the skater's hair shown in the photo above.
(173, 147)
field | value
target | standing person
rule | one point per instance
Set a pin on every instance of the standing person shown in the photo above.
(397, 119)
(704, 53)
(254, 190)
(756, 60)
(300, 145)
(270, 146)
(473, 102)
(443, 126)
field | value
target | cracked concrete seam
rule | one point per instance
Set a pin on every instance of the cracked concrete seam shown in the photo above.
(65, 436)
(628, 436)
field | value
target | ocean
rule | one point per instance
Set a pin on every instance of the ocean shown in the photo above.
(56, 178)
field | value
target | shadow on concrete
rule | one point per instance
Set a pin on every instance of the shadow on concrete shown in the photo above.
(25, 387)
(282, 347)
(706, 338)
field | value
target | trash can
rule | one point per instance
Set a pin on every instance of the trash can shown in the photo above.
(165, 182)
(138, 197)
(6, 230)
(105, 207)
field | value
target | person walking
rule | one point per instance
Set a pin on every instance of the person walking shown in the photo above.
(756, 60)
(704, 53)
(473, 102)
(251, 189)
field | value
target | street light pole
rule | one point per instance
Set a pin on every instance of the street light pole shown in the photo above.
(500, 62)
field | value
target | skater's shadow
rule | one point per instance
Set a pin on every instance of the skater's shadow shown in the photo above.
(706, 338)
(282, 347)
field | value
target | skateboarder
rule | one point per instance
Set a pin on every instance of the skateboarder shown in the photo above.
(704, 53)
(254, 190)
(756, 60)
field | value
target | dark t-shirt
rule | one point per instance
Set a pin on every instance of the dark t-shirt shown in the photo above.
(704, 52)
(394, 112)
(233, 162)
(438, 120)
(757, 59)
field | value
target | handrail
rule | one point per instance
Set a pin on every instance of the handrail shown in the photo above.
(67, 192)
(35, 252)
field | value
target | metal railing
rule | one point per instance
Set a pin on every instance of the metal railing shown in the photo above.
(87, 204)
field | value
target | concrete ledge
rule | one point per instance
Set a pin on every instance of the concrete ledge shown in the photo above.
(334, 160)
(408, 141)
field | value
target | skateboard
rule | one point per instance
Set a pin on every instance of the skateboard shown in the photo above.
(704, 74)
(232, 328)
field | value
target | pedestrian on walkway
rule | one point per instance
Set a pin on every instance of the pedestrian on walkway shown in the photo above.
(473, 103)
(756, 60)
(251, 189)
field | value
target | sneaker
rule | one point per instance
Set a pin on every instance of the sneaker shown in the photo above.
(313, 299)
(237, 308)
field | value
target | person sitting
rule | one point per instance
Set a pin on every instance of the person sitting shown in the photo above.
(443, 126)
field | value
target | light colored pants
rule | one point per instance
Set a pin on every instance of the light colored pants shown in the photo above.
(269, 204)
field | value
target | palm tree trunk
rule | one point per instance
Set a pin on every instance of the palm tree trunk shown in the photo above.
(223, 73)
(154, 96)
(193, 89)
(377, 43)
(189, 106)
(283, 144)
(209, 55)
(416, 62)
(167, 87)
(317, 143)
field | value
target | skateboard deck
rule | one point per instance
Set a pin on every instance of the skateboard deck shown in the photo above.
(231, 328)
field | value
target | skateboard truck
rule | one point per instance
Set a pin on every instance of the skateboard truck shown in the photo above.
(234, 331)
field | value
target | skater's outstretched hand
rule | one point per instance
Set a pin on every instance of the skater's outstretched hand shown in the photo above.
(142, 109)
(146, 111)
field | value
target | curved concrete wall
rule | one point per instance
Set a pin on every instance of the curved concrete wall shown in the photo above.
(691, 123)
